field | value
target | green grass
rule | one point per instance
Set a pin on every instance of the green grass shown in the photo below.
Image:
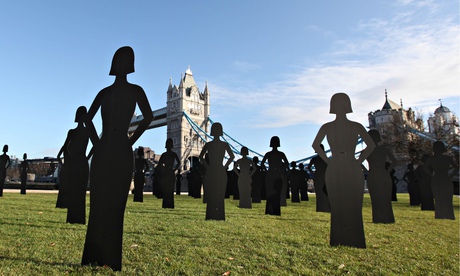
(35, 240)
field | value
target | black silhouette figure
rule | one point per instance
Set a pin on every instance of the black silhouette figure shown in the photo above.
(319, 182)
(426, 192)
(179, 178)
(394, 181)
(4, 164)
(140, 168)
(438, 166)
(215, 178)
(245, 169)
(112, 163)
(195, 181)
(166, 174)
(304, 184)
(24, 170)
(74, 171)
(157, 191)
(413, 186)
(258, 181)
(64, 174)
(344, 177)
(379, 181)
(297, 179)
(277, 165)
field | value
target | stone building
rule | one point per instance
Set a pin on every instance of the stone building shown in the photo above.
(443, 123)
(187, 98)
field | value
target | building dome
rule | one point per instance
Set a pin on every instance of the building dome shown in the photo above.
(442, 109)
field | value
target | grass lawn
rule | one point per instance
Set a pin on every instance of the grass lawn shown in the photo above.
(35, 240)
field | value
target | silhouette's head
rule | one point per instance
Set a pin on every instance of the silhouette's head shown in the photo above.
(439, 147)
(244, 151)
(255, 159)
(122, 62)
(5, 148)
(140, 152)
(340, 104)
(301, 166)
(293, 164)
(24, 156)
(275, 142)
(169, 143)
(375, 135)
(80, 115)
(216, 130)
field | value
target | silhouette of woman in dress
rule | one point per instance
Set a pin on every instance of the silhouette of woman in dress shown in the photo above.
(140, 168)
(75, 170)
(112, 164)
(246, 169)
(322, 200)
(277, 165)
(379, 181)
(215, 178)
(438, 167)
(424, 179)
(412, 185)
(166, 174)
(4, 164)
(24, 170)
(344, 176)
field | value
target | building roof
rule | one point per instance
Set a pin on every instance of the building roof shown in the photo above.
(389, 104)
(442, 109)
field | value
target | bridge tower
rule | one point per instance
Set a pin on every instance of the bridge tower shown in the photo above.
(187, 98)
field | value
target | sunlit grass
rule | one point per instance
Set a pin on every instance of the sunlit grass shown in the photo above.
(34, 239)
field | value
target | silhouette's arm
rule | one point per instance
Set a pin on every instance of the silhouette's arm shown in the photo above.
(454, 166)
(262, 163)
(231, 155)
(392, 160)
(317, 143)
(146, 111)
(235, 166)
(370, 145)
(64, 147)
(176, 157)
(202, 153)
(89, 119)
(254, 168)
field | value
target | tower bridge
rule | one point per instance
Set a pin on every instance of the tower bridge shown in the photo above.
(188, 122)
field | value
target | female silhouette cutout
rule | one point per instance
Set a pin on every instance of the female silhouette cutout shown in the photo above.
(296, 180)
(64, 174)
(112, 164)
(246, 169)
(344, 177)
(215, 178)
(277, 165)
(412, 185)
(322, 200)
(438, 167)
(166, 174)
(75, 170)
(4, 164)
(140, 168)
(426, 192)
(379, 181)
(24, 171)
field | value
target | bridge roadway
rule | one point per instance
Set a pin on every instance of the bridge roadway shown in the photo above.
(159, 120)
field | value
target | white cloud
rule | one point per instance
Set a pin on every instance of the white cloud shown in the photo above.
(415, 60)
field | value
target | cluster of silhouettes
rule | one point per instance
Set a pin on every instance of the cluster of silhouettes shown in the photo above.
(5, 163)
(338, 179)
(430, 184)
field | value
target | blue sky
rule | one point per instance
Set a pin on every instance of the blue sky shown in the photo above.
(271, 66)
